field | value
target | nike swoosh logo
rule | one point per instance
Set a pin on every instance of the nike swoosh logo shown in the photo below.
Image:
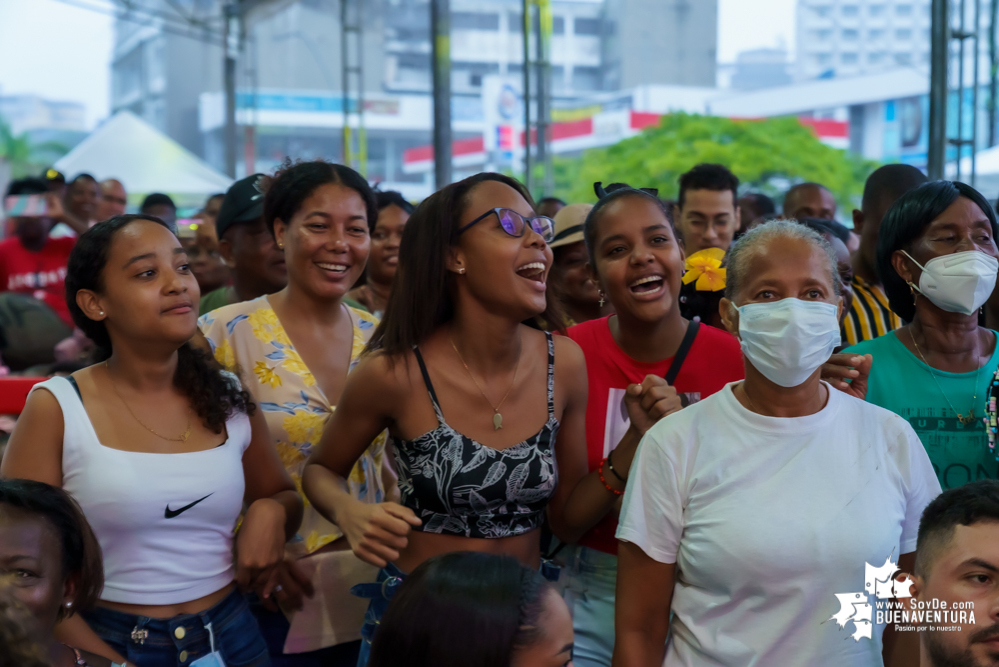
(169, 513)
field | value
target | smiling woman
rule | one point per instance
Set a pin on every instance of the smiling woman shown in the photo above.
(485, 412)
(642, 363)
(130, 288)
(300, 344)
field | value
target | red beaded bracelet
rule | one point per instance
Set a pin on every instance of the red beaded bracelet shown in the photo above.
(600, 473)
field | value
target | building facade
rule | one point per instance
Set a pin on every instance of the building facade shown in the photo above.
(855, 37)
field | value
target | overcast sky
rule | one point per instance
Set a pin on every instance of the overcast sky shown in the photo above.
(63, 52)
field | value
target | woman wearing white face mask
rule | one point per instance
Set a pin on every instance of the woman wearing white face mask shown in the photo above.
(937, 260)
(748, 512)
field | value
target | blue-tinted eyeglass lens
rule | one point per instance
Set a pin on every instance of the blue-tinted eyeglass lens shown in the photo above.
(512, 223)
(544, 226)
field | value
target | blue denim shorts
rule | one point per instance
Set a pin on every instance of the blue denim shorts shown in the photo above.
(389, 579)
(179, 641)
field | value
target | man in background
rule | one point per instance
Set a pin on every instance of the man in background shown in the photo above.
(753, 206)
(113, 201)
(870, 316)
(549, 206)
(809, 200)
(162, 207)
(707, 210)
(256, 265)
(81, 199)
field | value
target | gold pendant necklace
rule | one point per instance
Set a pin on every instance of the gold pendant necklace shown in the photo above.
(497, 417)
(967, 419)
(183, 437)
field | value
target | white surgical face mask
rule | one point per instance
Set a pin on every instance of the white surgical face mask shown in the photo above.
(958, 283)
(787, 340)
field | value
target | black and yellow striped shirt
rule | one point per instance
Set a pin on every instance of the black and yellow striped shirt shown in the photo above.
(869, 315)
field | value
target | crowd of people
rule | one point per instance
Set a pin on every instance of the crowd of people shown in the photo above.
(315, 424)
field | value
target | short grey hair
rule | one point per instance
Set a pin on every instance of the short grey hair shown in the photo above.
(759, 237)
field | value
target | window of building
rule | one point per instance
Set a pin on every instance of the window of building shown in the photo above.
(558, 25)
(822, 34)
(851, 10)
(583, 26)
(851, 35)
(822, 59)
(903, 59)
(475, 21)
(877, 10)
(877, 57)
(903, 34)
(876, 34)
(903, 10)
(586, 78)
(822, 11)
(848, 58)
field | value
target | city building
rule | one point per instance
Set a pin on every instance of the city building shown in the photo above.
(759, 68)
(161, 65)
(853, 37)
(289, 88)
(24, 113)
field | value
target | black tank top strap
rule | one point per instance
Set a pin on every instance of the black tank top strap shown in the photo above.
(551, 374)
(430, 385)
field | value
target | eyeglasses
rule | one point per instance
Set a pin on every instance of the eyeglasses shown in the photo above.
(515, 224)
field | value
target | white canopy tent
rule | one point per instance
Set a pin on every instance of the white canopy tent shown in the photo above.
(144, 160)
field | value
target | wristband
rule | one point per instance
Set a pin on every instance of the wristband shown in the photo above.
(600, 473)
(610, 466)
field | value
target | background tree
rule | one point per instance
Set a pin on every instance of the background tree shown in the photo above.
(768, 155)
(25, 157)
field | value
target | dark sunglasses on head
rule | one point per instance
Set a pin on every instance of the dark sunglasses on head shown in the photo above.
(515, 224)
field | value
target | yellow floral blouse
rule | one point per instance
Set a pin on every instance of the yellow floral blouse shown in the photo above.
(248, 336)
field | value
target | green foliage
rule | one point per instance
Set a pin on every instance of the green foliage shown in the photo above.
(767, 155)
(22, 154)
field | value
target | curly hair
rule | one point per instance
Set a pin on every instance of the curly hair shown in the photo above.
(213, 395)
(17, 646)
(294, 182)
(81, 553)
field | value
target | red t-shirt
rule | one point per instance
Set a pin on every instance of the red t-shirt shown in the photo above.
(41, 274)
(714, 360)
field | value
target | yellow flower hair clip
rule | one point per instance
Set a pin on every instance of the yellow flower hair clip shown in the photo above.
(706, 268)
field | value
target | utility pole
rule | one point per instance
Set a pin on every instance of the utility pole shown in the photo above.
(528, 165)
(993, 70)
(230, 39)
(544, 94)
(351, 27)
(440, 37)
(939, 61)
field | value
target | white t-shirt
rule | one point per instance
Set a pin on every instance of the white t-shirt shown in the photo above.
(768, 519)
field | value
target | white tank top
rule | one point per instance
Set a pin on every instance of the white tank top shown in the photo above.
(165, 522)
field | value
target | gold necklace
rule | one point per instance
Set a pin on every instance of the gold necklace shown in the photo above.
(497, 417)
(184, 436)
(964, 419)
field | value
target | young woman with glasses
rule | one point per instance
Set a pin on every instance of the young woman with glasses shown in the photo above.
(486, 414)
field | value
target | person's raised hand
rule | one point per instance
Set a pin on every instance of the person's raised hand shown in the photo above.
(378, 533)
(650, 401)
(853, 367)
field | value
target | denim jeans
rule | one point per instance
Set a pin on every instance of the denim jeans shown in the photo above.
(179, 641)
(587, 584)
(389, 579)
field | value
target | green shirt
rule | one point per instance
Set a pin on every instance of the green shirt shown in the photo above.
(902, 383)
(224, 296)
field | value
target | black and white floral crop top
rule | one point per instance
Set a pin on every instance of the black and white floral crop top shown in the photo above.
(458, 486)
